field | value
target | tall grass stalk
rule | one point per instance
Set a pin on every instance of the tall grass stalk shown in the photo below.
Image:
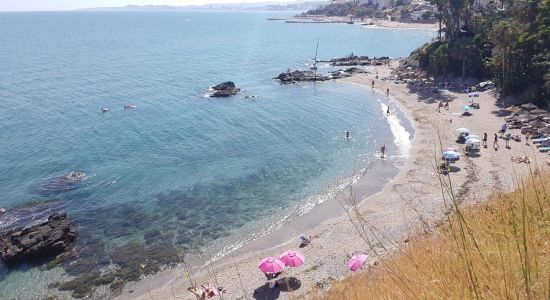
(499, 249)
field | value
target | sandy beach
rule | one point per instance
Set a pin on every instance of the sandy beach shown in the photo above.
(366, 22)
(408, 205)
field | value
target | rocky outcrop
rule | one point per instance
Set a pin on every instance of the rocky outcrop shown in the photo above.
(353, 60)
(300, 76)
(309, 76)
(225, 89)
(52, 238)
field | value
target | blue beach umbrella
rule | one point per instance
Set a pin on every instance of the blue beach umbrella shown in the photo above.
(451, 155)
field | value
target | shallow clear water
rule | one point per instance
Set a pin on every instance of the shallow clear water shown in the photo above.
(192, 167)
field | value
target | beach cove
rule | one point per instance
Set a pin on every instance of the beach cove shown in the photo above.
(171, 167)
(409, 205)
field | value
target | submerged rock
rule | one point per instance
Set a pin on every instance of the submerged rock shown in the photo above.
(225, 89)
(59, 184)
(54, 237)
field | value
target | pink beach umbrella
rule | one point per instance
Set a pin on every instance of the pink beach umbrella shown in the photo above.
(356, 262)
(292, 258)
(271, 264)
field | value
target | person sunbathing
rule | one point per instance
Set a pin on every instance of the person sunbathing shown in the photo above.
(306, 240)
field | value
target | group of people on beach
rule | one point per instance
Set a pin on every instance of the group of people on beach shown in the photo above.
(441, 104)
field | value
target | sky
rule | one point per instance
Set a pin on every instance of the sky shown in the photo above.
(38, 5)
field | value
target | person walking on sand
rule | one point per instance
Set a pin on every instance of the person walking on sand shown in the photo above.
(503, 129)
(439, 106)
(383, 151)
(495, 143)
(527, 139)
(507, 138)
(485, 140)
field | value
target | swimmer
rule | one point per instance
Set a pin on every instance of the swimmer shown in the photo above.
(347, 134)
(129, 106)
(103, 109)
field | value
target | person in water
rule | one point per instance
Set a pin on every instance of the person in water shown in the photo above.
(387, 92)
(388, 111)
(347, 134)
(373, 83)
(383, 151)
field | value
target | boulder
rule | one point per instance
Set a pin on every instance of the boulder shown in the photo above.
(49, 239)
(225, 89)
(298, 76)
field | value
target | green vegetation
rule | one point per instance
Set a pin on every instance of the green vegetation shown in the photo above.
(509, 43)
(495, 250)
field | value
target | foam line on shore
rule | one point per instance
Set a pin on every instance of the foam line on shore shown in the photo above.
(402, 137)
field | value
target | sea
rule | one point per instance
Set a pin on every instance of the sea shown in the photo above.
(180, 168)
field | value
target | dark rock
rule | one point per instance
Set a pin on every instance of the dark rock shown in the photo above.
(354, 60)
(225, 89)
(355, 70)
(54, 237)
(300, 76)
(81, 286)
(59, 184)
(104, 279)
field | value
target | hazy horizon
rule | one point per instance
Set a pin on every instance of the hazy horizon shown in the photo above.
(57, 5)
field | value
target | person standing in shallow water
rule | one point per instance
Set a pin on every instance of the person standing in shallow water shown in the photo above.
(383, 151)
(347, 134)
(388, 111)
(387, 92)
(373, 84)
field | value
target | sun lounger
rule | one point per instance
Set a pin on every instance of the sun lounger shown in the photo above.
(537, 141)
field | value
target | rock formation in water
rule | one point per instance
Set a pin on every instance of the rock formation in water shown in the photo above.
(308, 76)
(225, 89)
(354, 60)
(59, 184)
(52, 238)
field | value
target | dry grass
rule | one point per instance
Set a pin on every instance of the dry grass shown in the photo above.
(496, 250)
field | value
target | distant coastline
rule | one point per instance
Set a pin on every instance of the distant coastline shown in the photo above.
(370, 22)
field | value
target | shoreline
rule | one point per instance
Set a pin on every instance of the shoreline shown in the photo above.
(287, 232)
(408, 204)
(367, 22)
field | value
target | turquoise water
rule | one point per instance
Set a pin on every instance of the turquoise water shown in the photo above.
(192, 167)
